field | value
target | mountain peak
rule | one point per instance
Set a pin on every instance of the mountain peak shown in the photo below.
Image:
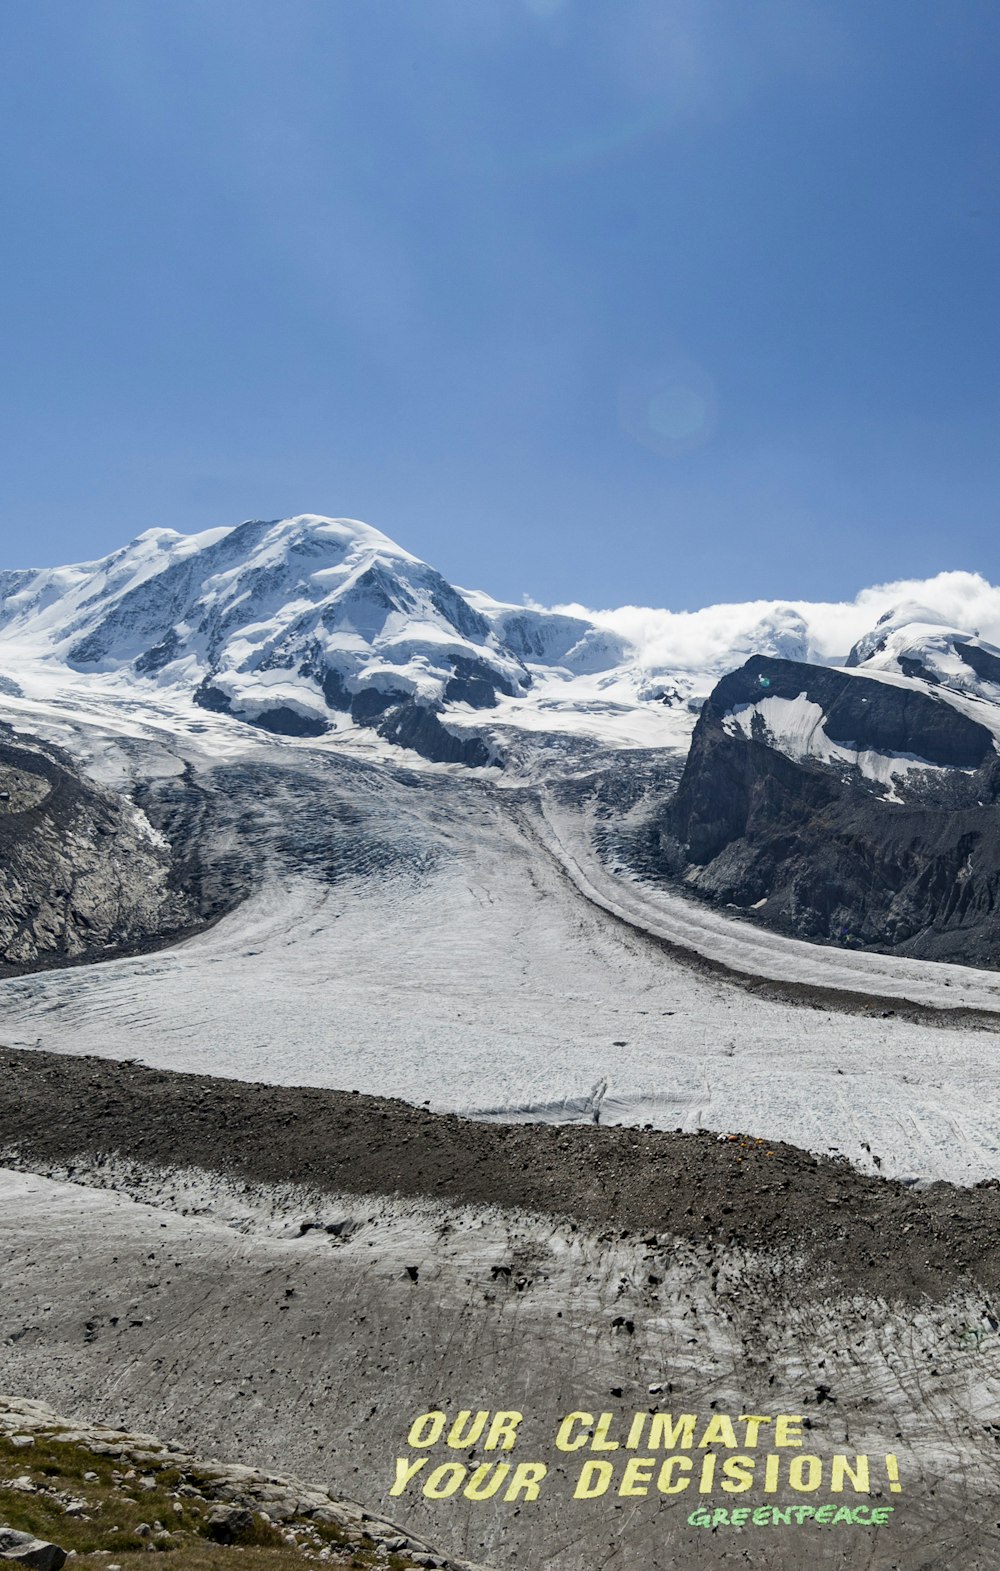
(317, 624)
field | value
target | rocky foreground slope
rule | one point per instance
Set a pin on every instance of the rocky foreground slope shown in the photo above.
(99, 1494)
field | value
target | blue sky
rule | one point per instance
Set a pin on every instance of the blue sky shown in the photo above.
(661, 301)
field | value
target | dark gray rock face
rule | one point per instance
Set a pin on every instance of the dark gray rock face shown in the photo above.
(475, 683)
(82, 874)
(860, 712)
(418, 726)
(982, 659)
(819, 850)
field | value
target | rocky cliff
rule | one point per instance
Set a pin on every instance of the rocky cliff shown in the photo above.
(83, 873)
(844, 809)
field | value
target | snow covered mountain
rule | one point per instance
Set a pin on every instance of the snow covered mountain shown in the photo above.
(290, 626)
(308, 626)
(314, 626)
(916, 642)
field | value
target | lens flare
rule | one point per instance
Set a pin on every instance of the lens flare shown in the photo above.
(671, 408)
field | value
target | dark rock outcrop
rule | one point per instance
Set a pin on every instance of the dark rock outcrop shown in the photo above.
(859, 712)
(980, 658)
(281, 720)
(475, 683)
(418, 726)
(820, 849)
(83, 874)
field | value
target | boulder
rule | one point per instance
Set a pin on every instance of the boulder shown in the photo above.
(228, 1524)
(25, 1550)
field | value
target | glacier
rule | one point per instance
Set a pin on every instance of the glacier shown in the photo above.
(449, 926)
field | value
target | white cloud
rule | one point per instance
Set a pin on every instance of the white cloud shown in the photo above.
(700, 640)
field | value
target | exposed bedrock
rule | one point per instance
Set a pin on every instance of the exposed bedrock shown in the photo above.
(823, 850)
(83, 874)
(419, 727)
(860, 712)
